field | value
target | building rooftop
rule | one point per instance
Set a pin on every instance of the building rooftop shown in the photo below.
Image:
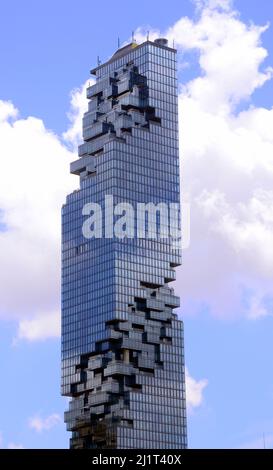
(122, 51)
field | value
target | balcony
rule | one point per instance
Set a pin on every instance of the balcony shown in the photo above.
(95, 130)
(82, 164)
(118, 367)
(93, 146)
(94, 90)
(155, 304)
(95, 363)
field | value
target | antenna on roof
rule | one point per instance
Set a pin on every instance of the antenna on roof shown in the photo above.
(118, 43)
(148, 32)
(98, 60)
(173, 43)
(133, 38)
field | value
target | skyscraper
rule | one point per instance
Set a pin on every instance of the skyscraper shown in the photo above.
(122, 343)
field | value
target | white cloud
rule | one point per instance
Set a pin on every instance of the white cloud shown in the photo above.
(34, 181)
(7, 111)
(230, 57)
(78, 106)
(194, 391)
(12, 445)
(262, 442)
(213, 4)
(44, 424)
(227, 168)
(227, 164)
(40, 327)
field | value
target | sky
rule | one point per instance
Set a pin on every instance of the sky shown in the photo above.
(225, 60)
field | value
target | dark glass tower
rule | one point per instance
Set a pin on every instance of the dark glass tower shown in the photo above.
(122, 343)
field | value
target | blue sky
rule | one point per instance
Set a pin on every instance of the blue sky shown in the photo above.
(46, 50)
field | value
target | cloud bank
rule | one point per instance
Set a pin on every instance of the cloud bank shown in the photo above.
(194, 391)
(226, 146)
(34, 180)
(227, 166)
(44, 424)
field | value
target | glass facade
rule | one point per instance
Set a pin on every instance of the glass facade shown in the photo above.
(122, 343)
